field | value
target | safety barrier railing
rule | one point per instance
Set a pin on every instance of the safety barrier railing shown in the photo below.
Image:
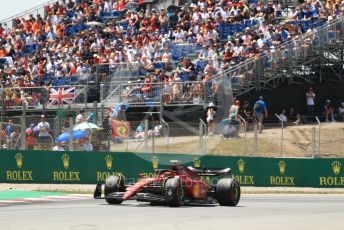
(40, 9)
(13, 98)
(167, 93)
(283, 59)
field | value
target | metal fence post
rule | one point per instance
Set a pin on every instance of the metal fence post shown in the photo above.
(71, 134)
(255, 140)
(319, 125)
(200, 134)
(313, 141)
(282, 138)
(95, 112)
(245, 138)
(85, 97)
(23, 133)
(146, 136)
(101, 92)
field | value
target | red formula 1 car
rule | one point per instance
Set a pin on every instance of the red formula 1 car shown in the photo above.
(176, 186)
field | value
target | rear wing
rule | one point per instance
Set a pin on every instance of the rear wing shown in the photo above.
(211, 171)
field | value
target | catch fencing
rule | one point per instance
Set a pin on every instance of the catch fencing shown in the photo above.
(159, 136)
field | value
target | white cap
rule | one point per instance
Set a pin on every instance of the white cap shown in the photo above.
(211, 104)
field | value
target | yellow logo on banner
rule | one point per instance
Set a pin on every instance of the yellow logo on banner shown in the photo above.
(19, 160)
(241, 165)
(19, 175)
(336, 165)
(108, 160)
(197, 162)
(121, 131)
(65, 160)
(281, 166)
(333, 180)
(155, 162)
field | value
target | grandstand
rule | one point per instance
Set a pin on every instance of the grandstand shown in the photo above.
(165, 57)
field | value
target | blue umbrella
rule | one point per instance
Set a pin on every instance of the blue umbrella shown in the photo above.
(225, 122)
(118, 107)
(77, 134)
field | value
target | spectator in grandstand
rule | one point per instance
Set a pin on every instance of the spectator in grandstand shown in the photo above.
(341, 111)
(328, 111)
(44, 137)
(310, 96)
(58, 147)
(259, 111)
(211, 112)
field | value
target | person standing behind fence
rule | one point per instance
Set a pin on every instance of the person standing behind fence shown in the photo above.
(210, 118)
(310, 95)
(79, 118)
(30, 137)
(43, 134)
(9, 130)
(234, 111)
(259, 110)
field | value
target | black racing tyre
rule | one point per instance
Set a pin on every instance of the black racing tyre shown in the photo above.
(174, 192)
(228, 192)
(112, 184)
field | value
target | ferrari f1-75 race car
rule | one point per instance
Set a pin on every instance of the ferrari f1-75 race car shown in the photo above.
(176, 186)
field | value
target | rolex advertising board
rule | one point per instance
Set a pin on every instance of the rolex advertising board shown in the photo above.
(94, 167)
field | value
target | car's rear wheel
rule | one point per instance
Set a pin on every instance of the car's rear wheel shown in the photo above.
(228, 192)
(113, 184)
(174, 192)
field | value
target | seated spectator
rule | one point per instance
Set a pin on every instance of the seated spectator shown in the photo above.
(230, 131)
(156, 132)
(139, 132)
(86, 145)
(58, 147)
(341, 112)
(298, 120)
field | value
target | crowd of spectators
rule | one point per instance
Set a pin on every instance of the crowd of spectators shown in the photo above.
(190, 43)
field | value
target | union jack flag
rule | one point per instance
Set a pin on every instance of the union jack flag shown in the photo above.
(62, 96)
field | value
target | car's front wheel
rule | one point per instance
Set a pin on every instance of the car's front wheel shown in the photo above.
(112, 184)
(228, 192)
(174, 192)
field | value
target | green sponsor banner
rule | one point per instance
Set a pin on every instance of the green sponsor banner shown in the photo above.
(94, 167)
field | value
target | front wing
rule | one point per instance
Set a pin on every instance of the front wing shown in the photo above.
(139, 196)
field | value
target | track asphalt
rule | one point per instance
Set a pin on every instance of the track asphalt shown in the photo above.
(258, 212)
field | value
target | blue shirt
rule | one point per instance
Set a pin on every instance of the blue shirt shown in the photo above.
(262, 107)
